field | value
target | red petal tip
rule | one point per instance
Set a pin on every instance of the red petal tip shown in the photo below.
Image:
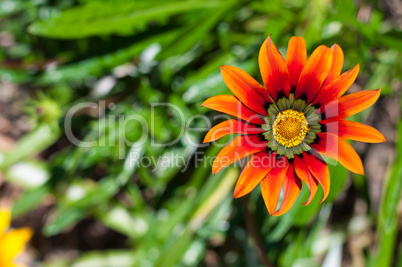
(236, 193)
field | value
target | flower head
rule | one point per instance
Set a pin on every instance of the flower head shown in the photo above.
(12, 241)
(287, 125)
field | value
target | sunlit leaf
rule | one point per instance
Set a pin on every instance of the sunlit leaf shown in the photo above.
(102, 18)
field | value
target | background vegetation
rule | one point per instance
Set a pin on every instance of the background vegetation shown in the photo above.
(89, 207)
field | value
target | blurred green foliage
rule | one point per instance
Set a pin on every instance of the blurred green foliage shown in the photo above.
(147, 52)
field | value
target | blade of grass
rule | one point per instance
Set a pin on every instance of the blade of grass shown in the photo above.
(388, 219)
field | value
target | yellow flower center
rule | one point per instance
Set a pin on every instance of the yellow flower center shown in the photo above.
(290, 128)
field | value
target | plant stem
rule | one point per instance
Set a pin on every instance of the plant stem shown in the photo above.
(251, 228)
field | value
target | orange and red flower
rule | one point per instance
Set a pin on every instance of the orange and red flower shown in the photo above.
(286, 125)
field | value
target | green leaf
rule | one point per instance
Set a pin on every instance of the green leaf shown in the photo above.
(391, 40)
(72, 212)
(193, 34)
(8, 8)
(121, 220)
(106, 259)
(29, 200)
(174, 248)
(103, 18)
(40, 138)
(388, 219)
(98, 65)
(14, 76)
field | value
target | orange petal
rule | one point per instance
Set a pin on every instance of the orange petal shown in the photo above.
(273, 69)
(296, 58)
(230, 105)
(337, 87)
(337, 63)
(232, 126)
(245, 81)
(304, 174)
(291, 190)
(353, 131)
(318, 167)
(257, 168)
(349, 105)
(334, 147)
(243, 87)
(272, 184)
(314, 73)
(242, 146)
